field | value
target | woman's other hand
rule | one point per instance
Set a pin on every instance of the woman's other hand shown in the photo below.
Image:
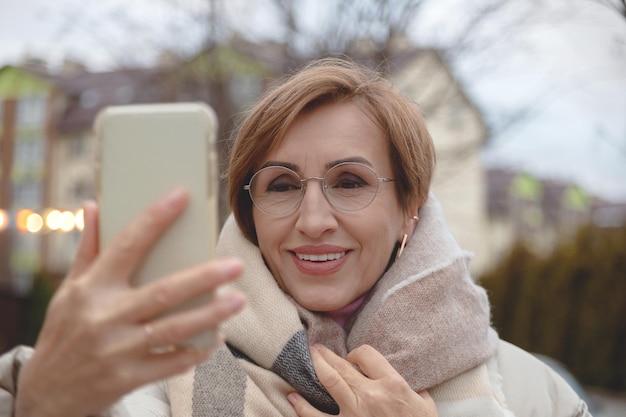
(378, 390)
(97, 342)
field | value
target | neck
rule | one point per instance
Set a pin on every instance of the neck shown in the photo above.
(342, 315)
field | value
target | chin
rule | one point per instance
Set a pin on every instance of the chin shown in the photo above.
(323, 306)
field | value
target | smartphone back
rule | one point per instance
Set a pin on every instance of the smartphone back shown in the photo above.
(143, 152)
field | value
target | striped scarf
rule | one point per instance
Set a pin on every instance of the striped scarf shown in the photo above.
(425, 315)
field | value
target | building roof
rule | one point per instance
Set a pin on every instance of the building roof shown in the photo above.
(87, 93)
(553, 197)
(404, 57)
(15, 82)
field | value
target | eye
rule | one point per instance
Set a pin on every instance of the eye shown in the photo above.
(283, 183)
(347, 180)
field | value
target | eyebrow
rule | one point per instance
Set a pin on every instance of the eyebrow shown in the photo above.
(289, 165)
(329, 165)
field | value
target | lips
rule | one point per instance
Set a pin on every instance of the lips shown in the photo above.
(319, 260)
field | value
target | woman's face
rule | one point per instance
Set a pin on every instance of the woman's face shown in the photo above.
(362, 240)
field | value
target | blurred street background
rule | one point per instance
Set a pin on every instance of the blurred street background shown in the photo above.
(525, 100)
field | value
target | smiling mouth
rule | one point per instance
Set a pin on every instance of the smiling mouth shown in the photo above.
(320, 257)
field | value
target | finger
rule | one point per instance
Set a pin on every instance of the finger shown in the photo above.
(335, 374)
(127, 250)
(88, 248)
(426, 396)
(346, 369)
(371, 362)
(156, 367)
(145, 302)
(302, 407)
(174, 329)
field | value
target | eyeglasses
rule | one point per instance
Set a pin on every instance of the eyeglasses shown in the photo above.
(348, 186)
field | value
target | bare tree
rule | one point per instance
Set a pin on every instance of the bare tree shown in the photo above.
(619, 6)
(212, 47)
(372, 30)
(351, 27)
(368, 30)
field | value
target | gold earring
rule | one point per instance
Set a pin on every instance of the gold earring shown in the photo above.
(416, 218)
(402, 245)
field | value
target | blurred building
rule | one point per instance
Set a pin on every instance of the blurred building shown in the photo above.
(27, 129)
(48, 146)
(82, 96)
(459, 133)
(47, 156)
(47, 152)
(542, 212)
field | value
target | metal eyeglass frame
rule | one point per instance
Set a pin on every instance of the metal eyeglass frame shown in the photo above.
(323, 185)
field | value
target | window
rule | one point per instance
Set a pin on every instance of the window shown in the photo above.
(29, 152)
(575, 209)
(78, 146)
(31, 111)
(526, 195)
(27, 194)
(82, 190)
(89, 99)
(124, 94)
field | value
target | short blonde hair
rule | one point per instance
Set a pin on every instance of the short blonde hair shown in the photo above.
(332, 80)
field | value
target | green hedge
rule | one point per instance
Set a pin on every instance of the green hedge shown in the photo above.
(570, 306)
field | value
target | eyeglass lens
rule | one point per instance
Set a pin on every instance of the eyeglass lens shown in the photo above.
(278, 190)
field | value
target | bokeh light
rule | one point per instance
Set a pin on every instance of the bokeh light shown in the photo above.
(67, 221)
(80, 219)
(21, 219)
(4, 219)
(34, 222)
(54, 219)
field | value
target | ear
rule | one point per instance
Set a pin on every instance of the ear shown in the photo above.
(409, 223)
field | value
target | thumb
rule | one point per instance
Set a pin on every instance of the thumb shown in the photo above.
(88, 247)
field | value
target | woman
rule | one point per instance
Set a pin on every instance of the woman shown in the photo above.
(358, 297)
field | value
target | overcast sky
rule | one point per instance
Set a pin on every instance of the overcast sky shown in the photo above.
(570, 73)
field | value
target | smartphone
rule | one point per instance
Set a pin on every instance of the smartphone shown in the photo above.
(144, 151)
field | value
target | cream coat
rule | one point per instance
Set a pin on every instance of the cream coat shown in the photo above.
(530, 387)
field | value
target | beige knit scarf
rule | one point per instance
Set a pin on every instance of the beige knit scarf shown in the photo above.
(425, 315)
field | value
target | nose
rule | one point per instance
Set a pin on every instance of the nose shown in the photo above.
(315, 214)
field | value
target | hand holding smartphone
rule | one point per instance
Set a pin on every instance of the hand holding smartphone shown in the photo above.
(145, 151)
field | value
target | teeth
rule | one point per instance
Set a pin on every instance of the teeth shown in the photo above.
(320, 258)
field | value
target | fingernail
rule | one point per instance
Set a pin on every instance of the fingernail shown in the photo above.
(229, 266)
(174, 200)
(292, 398)
(234, 301)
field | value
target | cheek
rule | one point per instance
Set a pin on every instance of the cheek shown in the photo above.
(266, 239)
(269, 236)
(385, 222)
(263, 232)
(385, 242)
(378, 240)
